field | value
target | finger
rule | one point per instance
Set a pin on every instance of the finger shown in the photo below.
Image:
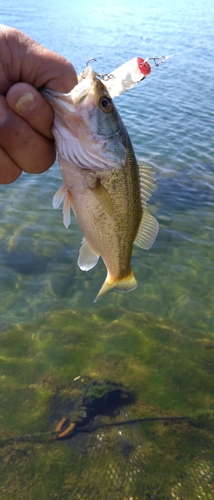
(24, 60)
(32, 152)
(28, 103)
(9, 170)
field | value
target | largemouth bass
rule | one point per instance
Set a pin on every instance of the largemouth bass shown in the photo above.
(102, 181)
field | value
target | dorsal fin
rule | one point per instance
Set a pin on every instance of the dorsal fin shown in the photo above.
(147, 183)
(147, 231)
(87, 257)
(103, 197)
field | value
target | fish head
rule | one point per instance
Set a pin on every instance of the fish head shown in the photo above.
(87, 126)
(92, 97)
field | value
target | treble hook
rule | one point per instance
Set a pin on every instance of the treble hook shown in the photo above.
(105, 76)
(91, 59)
(82, 74)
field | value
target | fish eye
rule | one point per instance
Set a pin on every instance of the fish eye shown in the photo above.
(105, 104)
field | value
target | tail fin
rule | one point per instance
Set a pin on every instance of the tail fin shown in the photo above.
(126, 284)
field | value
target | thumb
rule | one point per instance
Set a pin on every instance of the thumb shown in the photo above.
(22, 59)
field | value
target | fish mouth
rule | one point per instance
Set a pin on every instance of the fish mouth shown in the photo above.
(86, 87)
(85, 94)
(88, 90)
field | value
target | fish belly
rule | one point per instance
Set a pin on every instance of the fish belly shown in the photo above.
(109, 236)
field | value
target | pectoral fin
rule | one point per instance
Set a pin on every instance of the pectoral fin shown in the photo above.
(64, 195)
(103, 197)
(87, 257)
(59, 197)
(147, 232)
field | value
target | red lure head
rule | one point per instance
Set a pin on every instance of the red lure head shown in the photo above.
(143, 66)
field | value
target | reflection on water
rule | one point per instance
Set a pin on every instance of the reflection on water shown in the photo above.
(157, 340)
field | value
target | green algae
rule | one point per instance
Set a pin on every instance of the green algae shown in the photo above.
(55, 356)
(101, 471)
(202, 418)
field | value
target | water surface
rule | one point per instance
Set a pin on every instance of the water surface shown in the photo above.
(157, 340)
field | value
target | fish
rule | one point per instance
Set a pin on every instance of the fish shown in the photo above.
(102, 181)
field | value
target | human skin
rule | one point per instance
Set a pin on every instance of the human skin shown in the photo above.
(26, 141)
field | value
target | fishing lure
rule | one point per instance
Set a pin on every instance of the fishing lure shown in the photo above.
(126, 76)
(131, 72)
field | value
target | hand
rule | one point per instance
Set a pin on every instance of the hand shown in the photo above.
(26, 141)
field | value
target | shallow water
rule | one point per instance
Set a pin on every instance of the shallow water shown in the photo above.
(157, 340)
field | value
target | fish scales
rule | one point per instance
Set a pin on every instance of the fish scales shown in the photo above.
(115, 243)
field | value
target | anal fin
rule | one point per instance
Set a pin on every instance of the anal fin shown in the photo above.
(147, 232)
(87, 257)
